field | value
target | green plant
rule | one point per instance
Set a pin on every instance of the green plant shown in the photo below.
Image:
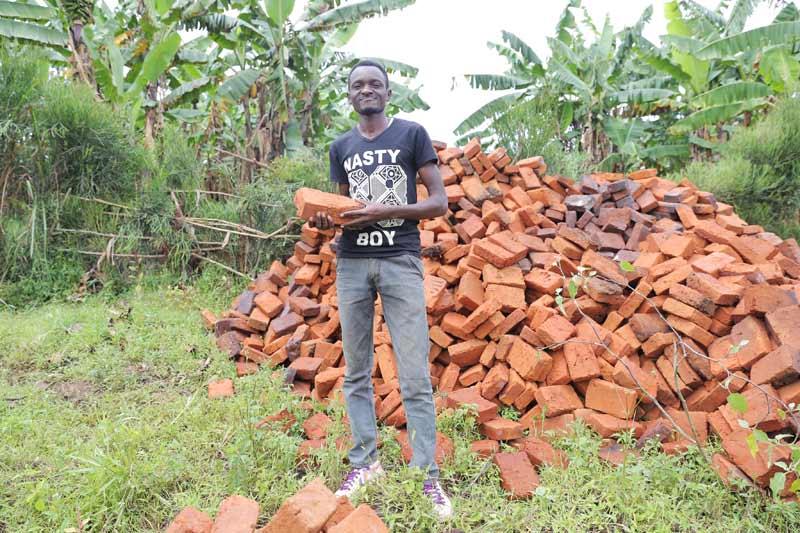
(759, 171)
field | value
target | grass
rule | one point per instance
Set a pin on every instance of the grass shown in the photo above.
(104, 419)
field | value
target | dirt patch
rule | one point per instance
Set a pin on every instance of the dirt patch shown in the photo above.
(73, 391)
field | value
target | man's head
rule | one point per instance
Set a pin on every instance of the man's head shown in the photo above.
(368, 87)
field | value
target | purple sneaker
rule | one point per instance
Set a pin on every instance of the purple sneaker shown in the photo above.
(359, 477)
(441, 503)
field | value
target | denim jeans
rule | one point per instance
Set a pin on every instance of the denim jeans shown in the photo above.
(398, 281)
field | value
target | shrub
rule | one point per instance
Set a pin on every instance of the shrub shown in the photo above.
(759, 171)
(531, 128)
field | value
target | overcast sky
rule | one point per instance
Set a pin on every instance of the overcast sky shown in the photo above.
(446, 39)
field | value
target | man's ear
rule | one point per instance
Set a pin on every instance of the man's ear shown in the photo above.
(388, 93)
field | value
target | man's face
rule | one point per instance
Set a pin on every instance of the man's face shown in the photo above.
(368, 92)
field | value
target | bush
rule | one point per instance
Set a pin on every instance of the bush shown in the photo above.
(759, 171)
(531, 128)
(85, 146)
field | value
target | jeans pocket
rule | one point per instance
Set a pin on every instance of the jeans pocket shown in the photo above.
(416, 264)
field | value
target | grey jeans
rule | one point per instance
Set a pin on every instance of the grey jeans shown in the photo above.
(398, 281)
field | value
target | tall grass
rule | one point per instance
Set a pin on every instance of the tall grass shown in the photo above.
(759, 171)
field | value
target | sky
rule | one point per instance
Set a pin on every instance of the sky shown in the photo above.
(446, 39)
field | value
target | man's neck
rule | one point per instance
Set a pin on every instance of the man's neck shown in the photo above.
(371, 126)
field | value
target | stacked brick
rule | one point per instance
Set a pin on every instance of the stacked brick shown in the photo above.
(314, 509)
(659, 261)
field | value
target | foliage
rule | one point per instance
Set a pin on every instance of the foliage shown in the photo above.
(105, 411)
(532, 128)
(759, 171)
(626, 101)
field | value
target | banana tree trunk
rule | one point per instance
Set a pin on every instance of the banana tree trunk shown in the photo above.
(80, 59)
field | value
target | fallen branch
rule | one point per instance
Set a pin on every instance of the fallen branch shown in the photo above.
(222, 266)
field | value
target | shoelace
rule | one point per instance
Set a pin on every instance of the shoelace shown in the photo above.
(433, 491)
(351, 478)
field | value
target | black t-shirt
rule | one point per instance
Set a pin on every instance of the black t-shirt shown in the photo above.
(382, 170)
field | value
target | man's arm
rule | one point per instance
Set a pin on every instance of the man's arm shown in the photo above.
(433, 206)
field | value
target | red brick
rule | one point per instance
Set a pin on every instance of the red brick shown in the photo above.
(363, 520)
(555, 329)
(779, 367)
(607, 425)
(470, 291)
(466, 353)
(610, 398)
(782, 323)
(485, 448)
(530, 363)
(518, 476)
(486, 410)
(444, 447)
(481, 314)
(760, 468)
(728, 471)
(717, 291)
(317, 426)
(762, 410)
(495, 381)
(306, 511)
(541, 452)
(309, 202)
(220, 389)
(501, 429)
(306, 367)
(236, 514)
(758, 344)
(510, 298)
(581, 361)
(556, 400)
(191, 520)
(761, 299)
(344, 508)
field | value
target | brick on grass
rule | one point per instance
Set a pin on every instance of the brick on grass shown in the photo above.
(191, 520)
(501, 429)
(540, 452)
(343, 508)
(445, 449)
(486, 410)
(608, 425)
(728, 471)
(363, 520)
(485, 448)
(760, 468)
(222, 388)
(305, 512)
(517, 474)
(236, 514)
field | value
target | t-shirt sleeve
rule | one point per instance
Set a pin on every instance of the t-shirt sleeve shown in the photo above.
(337, 170)
(423, 149)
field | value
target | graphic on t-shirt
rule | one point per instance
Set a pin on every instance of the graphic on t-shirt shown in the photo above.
(386, 185)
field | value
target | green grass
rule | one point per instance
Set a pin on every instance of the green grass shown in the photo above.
(104, 418)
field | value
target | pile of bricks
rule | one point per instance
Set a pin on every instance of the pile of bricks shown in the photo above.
(314, 509)
(670, 282)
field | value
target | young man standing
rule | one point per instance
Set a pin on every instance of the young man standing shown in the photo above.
(378, 254)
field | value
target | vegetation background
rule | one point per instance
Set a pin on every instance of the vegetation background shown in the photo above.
(143, 177)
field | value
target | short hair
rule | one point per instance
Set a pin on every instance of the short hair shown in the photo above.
(369, 63)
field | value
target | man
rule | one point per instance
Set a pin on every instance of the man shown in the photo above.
(378, 254)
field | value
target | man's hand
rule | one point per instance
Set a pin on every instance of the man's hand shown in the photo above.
(367, 215)
(321, 220)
